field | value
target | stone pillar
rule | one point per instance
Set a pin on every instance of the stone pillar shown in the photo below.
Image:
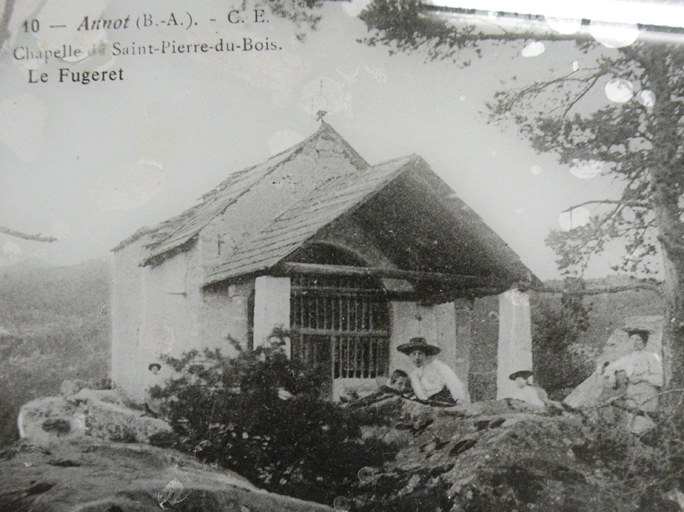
(271, 307)
(515, 339)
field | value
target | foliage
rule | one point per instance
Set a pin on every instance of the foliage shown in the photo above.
(263, 416)
(59, 326)
(638, 139)
(559, 359)
(648, 468)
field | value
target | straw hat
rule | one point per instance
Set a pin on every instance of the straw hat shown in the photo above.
(418, 344)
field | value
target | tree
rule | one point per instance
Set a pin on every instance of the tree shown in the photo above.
(557, 325)
(640, 142)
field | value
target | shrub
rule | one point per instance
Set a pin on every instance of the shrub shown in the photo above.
(560, 361)
(263, 416)
(646, 471)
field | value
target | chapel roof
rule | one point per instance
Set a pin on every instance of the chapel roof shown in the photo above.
(414, 216)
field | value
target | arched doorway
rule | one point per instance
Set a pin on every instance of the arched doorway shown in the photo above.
(342, 323)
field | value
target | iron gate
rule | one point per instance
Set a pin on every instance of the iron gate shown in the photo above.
(342, 323)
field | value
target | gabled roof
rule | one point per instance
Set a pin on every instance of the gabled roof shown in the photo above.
(413, 216)
(178, 230)
(307, 217)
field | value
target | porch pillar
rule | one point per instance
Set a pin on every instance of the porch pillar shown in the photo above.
(271, 308)
(515, 339)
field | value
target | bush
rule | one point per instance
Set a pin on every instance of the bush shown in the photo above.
(262, 415)
(647, 471)
(560, 361)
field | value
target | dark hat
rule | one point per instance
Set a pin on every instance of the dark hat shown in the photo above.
(152, 365)
(419, 344)
(525, 374)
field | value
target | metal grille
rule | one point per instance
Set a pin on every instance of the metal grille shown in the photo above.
(343, 322)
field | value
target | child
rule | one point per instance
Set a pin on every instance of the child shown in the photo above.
(400, 381)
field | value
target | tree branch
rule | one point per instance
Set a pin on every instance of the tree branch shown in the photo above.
(25, 236)
(635, 204)
(598, 291)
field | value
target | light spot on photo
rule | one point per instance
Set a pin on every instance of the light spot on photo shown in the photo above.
(619, 90)
(564, 25)
(533, 49)
(646, 97)
(586, 169)
(614, 35)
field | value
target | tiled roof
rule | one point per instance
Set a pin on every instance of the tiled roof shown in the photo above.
(414, 216)
(307, 217)
(178, 230)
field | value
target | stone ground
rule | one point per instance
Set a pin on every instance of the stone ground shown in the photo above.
(508, 457)
(503, 456)
(87, 475)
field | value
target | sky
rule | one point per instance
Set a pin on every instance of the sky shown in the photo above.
(92, 163)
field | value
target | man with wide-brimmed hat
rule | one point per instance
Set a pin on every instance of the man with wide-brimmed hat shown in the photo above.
(431, 379)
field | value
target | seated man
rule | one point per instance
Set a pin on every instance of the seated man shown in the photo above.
(525, 391)
(432, 380)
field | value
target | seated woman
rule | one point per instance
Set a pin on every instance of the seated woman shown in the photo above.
(525, 391)
(431, 379)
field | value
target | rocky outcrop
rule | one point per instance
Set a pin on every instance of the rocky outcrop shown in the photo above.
(100, 414)
(86, 475)
(506, 456)
(591, 391)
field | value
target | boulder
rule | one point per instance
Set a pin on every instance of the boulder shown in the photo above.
(86, 475)
(111, 422)
(592, 391)
(100, 414)
(52, 419)
(503, 457)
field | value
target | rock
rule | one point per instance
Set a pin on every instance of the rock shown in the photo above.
(506, 458)
(53, 419)
(592, 391)
(111, 477)
(99, 414)
(113, 422)
(69, 388)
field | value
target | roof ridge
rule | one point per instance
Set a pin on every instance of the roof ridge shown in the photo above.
(382, 182)
(165, 235)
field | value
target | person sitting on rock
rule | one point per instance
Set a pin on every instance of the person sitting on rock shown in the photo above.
(643, 372)
(432, 380)
(400, 381)
(525, 391)
(153, 406)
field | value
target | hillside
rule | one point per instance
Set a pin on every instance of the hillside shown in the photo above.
(606, 312)
(55, 326)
